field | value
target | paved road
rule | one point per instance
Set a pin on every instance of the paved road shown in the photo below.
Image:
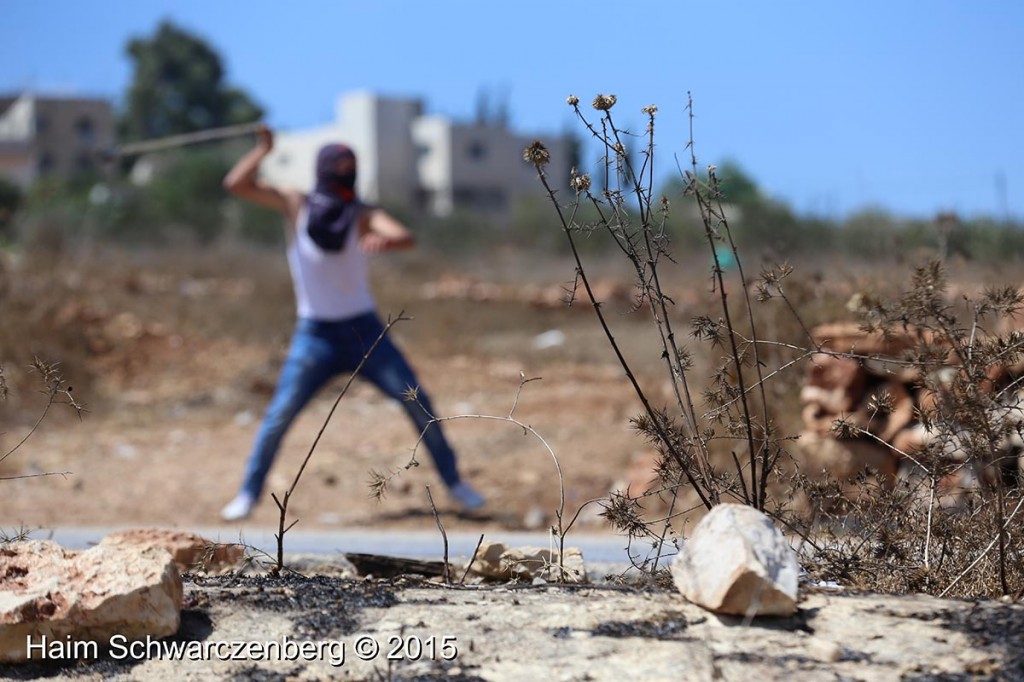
(415, 544)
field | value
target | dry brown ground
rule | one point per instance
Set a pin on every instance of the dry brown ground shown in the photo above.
(175, 363)
(175, 355)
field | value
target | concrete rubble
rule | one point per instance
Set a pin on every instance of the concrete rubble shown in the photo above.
(861, 384)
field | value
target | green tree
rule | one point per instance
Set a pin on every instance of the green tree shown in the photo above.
(10, 201)
(178, 87)
(736, 185)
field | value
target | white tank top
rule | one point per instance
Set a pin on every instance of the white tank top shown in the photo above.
(329, 285)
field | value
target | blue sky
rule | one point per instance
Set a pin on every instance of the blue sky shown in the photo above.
(914, 107)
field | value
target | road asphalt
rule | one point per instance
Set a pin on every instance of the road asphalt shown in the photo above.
(604, 549)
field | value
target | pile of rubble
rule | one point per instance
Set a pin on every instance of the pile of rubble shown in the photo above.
(862, 402)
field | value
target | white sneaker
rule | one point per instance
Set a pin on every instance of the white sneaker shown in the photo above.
(467, 498)
(238, 508)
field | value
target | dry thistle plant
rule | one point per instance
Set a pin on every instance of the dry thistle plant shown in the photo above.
(736, 418)
(57, 392)
(718, 437)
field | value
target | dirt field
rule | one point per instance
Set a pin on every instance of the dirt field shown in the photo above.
(175, 363)
(175, 355)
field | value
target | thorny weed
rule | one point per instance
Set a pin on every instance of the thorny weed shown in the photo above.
(721, 442)
(57, 392)
(380, 480)
(629, 214)
(951, 528)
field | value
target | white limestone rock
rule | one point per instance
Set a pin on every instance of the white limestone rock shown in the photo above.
(737, 562)
(191, 552)
(67, 596)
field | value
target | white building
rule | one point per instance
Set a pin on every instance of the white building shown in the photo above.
(424, 162)
(58, 136)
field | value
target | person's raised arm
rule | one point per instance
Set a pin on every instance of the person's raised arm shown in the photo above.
(243, 180)
(382, 232)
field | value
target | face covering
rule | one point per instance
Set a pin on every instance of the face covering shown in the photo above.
(332, 207)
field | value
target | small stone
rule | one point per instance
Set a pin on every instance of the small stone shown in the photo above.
(825, 650)
(497, 561)
(534, 519)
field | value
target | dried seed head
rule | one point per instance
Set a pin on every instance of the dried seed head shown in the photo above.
(619, 148)
(537, 153)
(604, 102)
(712, 168)
(650, 109)
(572, 100)
(580, 183)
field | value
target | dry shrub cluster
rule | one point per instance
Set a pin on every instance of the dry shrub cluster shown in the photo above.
(718, 438)
(950, 522)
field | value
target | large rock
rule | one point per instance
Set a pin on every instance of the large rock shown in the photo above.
(191, 552)
(66, 596)
(737, 562)
(497, 561)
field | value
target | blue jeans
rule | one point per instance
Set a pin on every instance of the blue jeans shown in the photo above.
(322, 350)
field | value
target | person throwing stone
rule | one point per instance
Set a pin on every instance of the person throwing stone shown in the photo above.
(330, 232)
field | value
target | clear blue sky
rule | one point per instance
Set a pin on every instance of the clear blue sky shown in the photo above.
(832, 106)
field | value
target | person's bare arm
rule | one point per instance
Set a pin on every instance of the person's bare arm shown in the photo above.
(380, 231)
(243, 180)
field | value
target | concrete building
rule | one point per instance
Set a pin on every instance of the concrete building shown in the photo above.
(52, 136)
(429, 163)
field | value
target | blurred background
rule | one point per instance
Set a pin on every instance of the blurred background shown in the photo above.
(850, 140)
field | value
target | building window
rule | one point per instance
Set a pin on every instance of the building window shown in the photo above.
(85, 129)
(42, 124)
(477, 150)
(45, 163)
(481, 198)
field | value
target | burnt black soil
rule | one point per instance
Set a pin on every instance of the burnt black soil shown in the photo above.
(326, 607)
(667, 627)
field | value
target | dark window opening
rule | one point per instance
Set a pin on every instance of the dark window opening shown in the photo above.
(45, 162)
(477, 150)
(482, 198)
(85, 129)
